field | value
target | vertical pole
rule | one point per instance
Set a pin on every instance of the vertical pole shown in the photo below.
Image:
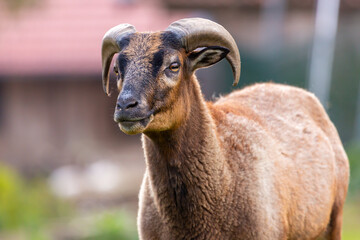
(327, 12)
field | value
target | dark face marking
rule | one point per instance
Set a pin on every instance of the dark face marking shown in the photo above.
(122, 63)
(170, 39)
(166, 39)
(124, 42)
(149, 76)
(157, 62)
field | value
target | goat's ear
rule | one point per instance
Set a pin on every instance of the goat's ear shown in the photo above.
(206, 56)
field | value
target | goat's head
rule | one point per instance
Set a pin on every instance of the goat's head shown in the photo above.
(153, 69)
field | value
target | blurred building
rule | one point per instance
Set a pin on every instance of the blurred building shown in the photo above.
(52, 108)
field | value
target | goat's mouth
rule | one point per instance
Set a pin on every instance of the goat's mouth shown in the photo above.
(135, 125)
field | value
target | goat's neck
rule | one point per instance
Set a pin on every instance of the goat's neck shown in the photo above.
(185, 165)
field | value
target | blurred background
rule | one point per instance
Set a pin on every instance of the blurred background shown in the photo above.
(66, 170)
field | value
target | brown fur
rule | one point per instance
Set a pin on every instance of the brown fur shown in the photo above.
(264, 162)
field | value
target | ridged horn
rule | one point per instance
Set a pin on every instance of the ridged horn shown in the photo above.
(200, 32)
(110, 46)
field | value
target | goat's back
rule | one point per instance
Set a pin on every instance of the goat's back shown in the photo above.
(281, 142)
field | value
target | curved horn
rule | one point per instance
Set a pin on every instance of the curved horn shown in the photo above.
(200, 32)
(110, 46)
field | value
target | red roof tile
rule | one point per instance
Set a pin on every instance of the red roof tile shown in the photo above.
(64, 36)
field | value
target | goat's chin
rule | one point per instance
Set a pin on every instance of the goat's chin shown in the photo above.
(135, 127)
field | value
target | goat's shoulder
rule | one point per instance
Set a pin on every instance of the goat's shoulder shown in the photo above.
(268, 101)
(241, 129)
(271, 116)
(271, 96)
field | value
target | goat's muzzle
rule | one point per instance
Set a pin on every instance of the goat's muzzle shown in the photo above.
(132, 115)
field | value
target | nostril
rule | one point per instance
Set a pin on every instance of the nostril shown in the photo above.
(126, 105)
(118, 106)
(131, 104)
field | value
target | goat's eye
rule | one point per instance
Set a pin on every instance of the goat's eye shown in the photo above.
(174, 67)
(116, 71)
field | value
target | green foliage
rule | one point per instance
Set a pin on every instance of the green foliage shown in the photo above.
(26, 206)
(10, 187)
(114, 226)
(27, 209)
(351, 217)
(351, 221)
(353, 152)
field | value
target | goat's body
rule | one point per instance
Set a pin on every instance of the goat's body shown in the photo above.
(264, 162)
(296, 153)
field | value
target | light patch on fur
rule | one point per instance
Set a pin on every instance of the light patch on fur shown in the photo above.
(263, 152)
(170, 82)
(126, 94)
(173, 80)
(119, 83)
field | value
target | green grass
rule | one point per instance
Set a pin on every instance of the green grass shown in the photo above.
(26, 207)
(351, 217)
(113, 226)
(30, 211)
(351, 221)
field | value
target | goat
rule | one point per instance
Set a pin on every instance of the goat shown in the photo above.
(264, 162)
